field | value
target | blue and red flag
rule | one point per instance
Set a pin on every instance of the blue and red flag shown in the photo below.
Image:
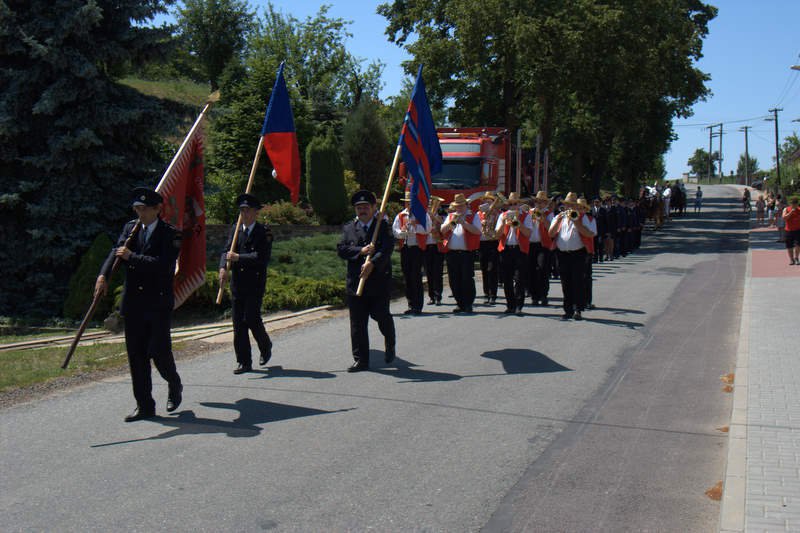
(280, 139)
(420, 149)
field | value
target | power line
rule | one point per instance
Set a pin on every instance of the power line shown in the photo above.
(706, 124)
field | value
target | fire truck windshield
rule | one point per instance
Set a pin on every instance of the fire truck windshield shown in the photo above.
(458, 174)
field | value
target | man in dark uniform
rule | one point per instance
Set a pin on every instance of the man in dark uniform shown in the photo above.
(248, 265)
(354, 246)
(147, 300)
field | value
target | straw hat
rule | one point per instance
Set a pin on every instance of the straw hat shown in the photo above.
(513, 198)
(571, 198)
(583, 204)
(458, 199)
(407, 196)
(489, 196)
(541, 196)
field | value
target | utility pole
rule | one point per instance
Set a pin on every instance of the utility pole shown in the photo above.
(774, 111)
(720, 152)
(710, 135)
(746, 157)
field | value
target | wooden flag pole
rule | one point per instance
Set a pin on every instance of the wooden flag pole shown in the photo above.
(239, 220)
(362, 281)
(212, 98)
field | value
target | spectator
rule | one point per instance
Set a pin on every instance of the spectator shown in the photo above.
(760, 206)
(780, 205)
(791, 217)
(698, 199)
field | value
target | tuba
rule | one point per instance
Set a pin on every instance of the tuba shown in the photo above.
(436, 201)
(436, 221)
(490, 221)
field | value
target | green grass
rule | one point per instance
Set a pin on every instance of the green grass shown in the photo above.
(182, 91)
(22, 368)
(11, 339)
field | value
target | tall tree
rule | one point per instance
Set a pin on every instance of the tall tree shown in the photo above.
(366, 148)
(699, 165)
(72, 140)
(216, 32)
(742, 167)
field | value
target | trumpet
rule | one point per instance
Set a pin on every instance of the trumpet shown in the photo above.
(573, 214)
(537, 213)
(512, 218)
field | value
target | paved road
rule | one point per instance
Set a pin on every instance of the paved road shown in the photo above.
(485, 422)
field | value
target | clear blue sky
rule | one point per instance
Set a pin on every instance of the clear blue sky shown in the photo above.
(748, 52)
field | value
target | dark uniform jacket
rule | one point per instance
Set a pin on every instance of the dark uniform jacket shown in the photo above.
(353, 239)
(249, 273)
(150, 269)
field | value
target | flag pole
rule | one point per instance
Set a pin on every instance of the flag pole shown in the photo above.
(239, 220)
(212, 98)
(363, 279)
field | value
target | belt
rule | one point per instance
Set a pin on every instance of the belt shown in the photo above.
(511, 246)
(573, 251)
(459, 251)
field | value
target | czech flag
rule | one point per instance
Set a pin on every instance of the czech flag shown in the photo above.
(420, 149)
(280, 139)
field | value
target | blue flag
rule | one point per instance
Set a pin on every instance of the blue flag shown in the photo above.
(420, 149)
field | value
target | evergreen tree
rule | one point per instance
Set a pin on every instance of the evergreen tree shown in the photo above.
(325, 181)
(73, 142)
(366, 149)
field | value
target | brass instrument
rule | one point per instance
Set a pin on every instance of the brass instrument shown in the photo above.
(573, 214)
(436, 221)
(436, 201)
(537, 213)
(490, 221)
(512, 218)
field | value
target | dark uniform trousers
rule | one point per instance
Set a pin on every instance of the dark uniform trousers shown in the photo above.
(489, 259)
(514, 266)
(248, 281)
(147, 303)
(374, 301)
(411, 264)
(434, 272)
(461, 275)
(539, 259)
(572, 269)
(587, 280)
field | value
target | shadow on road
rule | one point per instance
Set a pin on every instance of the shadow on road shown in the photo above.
(278, 371)
(524, 361)
(407, 371)
(252, 413)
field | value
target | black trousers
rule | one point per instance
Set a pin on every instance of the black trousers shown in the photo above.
(539, 265)
(434, 272)
(489, 259)
(147, 336)
(514, 268)
(587, 280)
(461, 275)
(572, 269)
(411, 263)
(246, 312)
(361, 308)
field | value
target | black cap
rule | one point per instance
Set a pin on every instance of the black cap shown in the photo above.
(363, 197)
(144, 196)
(248, 200)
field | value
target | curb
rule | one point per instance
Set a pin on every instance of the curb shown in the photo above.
(732, 512)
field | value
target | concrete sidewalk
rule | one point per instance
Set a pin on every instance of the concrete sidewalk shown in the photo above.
(762, 483)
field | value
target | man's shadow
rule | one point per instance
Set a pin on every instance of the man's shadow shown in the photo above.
(523, 361)
(407, 372)
(278, 371)
(252, 413)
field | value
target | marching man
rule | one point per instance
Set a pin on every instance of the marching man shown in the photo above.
(412, 238)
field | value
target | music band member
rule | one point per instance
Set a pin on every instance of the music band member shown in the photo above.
(514, 229)
(147, 300)
(573, 233)
(541, 249)
(461, 231)
(354, 247)
(435, 250)
(412, 238)
(585, 210)
(488, 256)
(248, 282)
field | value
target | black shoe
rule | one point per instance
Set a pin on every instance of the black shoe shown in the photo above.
(416, 312)
(566, 316)
(519, 311)
(545, 302)
(591, 306)
(509, 311)
(487, 301)
(468, 309)
(241, 369)
(389, 354)
(357, 367)
(174, 398)
(578, 316)
(438, 301)
(408, 311)
(458, 310)
(265, 356)
(140, 414)
(493, 300)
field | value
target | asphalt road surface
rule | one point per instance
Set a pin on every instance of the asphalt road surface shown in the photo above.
(484, 422)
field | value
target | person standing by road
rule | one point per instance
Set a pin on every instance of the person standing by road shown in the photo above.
(147, 300)
(698, 199)
(791, 218)
(248, 265)
(354, 247)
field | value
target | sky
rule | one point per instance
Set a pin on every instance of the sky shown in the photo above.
(748, 53)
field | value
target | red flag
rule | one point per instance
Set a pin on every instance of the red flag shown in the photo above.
(184, 208)
(280, 139)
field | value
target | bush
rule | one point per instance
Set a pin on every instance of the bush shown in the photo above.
(293, 292)
(81, 284)
(283, 212)
(325, 179)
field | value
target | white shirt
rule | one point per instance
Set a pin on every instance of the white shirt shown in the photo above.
(411, 229)
(568, 238)
(457, 239)
(513, 238)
